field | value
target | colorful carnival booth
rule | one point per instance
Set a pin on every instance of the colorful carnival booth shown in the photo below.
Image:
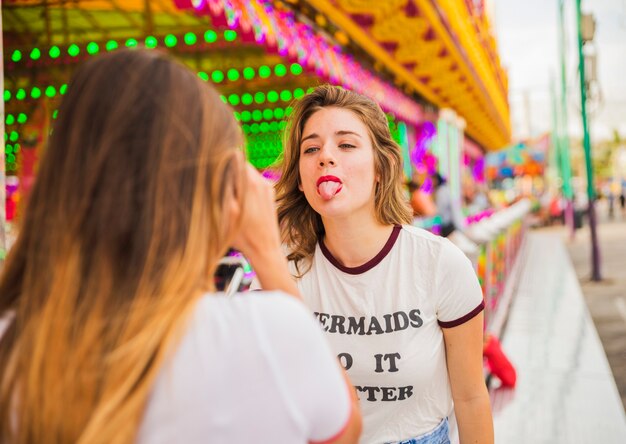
(259, 55)
(432, 66)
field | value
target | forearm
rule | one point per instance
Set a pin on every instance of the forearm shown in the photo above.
(273, 272)
(474, 420)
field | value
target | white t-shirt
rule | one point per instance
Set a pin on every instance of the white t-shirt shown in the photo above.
(251, 368)
(384, 319)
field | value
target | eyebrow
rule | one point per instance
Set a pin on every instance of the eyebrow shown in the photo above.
(337, 133)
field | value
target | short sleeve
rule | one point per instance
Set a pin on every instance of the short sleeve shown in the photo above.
(312, 378)
(457, 291)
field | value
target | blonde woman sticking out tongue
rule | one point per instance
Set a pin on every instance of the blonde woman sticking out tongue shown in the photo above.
(401, 307)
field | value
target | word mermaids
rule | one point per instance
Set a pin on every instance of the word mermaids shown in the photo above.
(350, 325)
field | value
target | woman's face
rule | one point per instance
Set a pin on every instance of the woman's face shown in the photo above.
(336, 164)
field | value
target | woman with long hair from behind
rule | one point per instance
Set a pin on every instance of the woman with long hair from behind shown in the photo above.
(114, 333)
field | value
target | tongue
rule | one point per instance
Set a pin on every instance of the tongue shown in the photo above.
(328, 189)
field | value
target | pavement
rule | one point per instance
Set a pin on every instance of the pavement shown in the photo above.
(565, 391)
(606, 299)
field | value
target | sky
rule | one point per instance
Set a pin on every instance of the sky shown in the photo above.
(527, 34)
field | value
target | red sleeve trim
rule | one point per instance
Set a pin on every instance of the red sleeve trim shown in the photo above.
(463, 319)
(345, 426)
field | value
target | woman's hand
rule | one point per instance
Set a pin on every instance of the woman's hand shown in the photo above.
(258, 237)
(258, 229)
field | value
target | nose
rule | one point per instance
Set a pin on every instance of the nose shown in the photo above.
(326, 158)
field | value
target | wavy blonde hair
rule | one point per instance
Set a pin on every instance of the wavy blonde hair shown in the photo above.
(121, 236)
(301, 225)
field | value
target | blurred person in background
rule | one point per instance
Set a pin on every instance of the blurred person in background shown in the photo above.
(474, 195)
(421, 202)
(451, 215)
(113, 332)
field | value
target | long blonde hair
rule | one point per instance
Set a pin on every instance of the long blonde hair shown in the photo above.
(301, 225)
(122, 234)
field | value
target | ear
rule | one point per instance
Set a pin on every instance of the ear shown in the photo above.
(300, 186)
(231, 216)
(232, 206)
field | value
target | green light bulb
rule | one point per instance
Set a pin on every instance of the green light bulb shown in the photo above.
(131, 43)
(35, 93)
(20, 94)
(247, 99)
(280, 70)
(246, 116)
(93, 48)
(51, 91)
(210, 36)
(35, 54)
(13, 136)
(259, 97)
(257, 115)
(10, 158)
(190, 38)
(55, 114)
(310, 89)
(230, 35)
(298, 92)
(73, 50)
(22, 118)
(233, 99)
(274, 126)
(8, 148)
(246, 128)
(296, 69)
(233, 75)
(7, 95)
(285, 95)
(264, 71)
(151, 42)
(217, 76)
(10, 120)
(111, 45)
(16, 148)
(272, 96)
(54, 52)
(237, 116)
(63, 89)
(204, 76)
(170, 40)
(248, 73)
(268, 114)
(282, 124)
(279, 113)
(254, 128)
(223, 98)
(16, 56)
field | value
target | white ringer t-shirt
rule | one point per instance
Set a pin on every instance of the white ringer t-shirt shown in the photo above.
(384, 320)
(251, 368)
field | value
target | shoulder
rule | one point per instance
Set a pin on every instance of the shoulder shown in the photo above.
(273, 321)
(421, 238)
(416, 233)
(271, 303)
(444, 250)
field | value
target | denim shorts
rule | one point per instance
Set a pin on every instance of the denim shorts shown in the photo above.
(438, 436)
